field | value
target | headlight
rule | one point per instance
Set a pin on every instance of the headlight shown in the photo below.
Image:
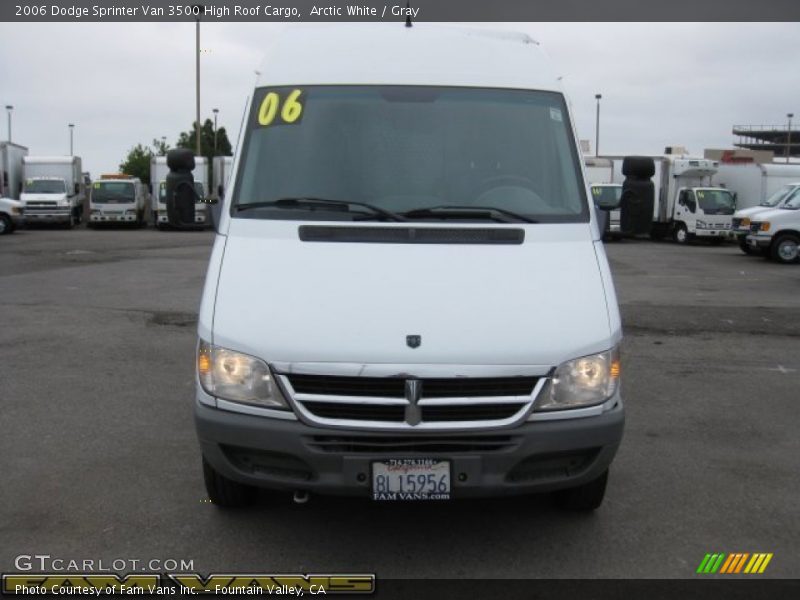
(237, 377)
(581, 382)
(701, 224)
(745, 222)
(16, 210)
(764, 226)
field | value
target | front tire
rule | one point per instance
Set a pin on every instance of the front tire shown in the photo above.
(785, 249)
(225, 492)
(588, 496)
(680, 234)
(744, 247)
(6, 225)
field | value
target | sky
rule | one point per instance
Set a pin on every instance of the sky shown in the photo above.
(663, 84)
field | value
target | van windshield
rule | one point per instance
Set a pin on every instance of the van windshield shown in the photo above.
(402, 148)
(778, 196)
(716, 202)
(113, 191)
(45, 186)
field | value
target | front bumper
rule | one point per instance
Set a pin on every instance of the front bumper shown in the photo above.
(759, 241)
(199, 216)
(111, 218)
(536, 456)
(717, 233)
(47, 215)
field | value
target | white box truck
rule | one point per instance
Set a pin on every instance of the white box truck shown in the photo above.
(158, 183)
(117, 198)
(753, 183)
(222, 166)
(11, 156)
(53, 189)
(687, 205)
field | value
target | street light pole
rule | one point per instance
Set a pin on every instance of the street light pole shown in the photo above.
(789, 137)
(216, 112)
(71, 129)
(597, 126)
(9, 108)
(197, 71)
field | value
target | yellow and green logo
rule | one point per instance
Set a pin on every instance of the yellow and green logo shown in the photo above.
(738, 562)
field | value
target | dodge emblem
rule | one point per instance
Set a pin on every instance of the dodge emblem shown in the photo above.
(413, 341)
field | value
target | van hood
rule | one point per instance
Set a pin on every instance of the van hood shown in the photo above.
(749, 212)
(779, 215)
(536, 303)
(42, 197)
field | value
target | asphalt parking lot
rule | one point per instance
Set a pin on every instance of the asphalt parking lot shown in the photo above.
(100, 460)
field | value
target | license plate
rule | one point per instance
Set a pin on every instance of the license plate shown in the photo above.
(411, 479)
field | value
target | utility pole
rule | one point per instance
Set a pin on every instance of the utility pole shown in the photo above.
(216, 112)
(197, 72)
(597, 126)
(9, 108)
(71, 129)
(789, 137)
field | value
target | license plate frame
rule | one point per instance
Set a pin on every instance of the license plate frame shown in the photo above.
(402, 479)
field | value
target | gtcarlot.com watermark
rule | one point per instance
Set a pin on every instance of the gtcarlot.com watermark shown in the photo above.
(46, 562)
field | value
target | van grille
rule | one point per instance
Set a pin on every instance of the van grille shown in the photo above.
(425, 403)
(411, 443)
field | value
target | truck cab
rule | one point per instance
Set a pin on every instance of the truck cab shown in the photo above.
(47, 199)
(607, 197)
(53, 189)
(200, 207)
(158, 175)
(117, 199)
(703, 212)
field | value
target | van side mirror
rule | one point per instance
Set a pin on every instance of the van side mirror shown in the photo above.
(77, 188)
(180, 193)
(691, 205)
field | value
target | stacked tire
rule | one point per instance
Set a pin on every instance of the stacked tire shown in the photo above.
(638, 195)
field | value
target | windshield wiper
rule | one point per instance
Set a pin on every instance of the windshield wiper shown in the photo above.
(468, 212)
(311, 203)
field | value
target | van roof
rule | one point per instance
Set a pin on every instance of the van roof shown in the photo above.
(392, 54)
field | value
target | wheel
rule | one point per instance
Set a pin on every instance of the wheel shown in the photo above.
(6, 224)
(785, 249)
(225, 492)
(588, 496)
(744, 247)
(680, 235)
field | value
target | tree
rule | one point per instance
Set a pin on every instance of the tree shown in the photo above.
(187, 140)
(137, 163)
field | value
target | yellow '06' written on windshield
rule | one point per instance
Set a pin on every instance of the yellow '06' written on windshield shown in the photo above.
(280, 107)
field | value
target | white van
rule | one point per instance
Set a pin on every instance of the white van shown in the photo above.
(408, 297)
(776, 232)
